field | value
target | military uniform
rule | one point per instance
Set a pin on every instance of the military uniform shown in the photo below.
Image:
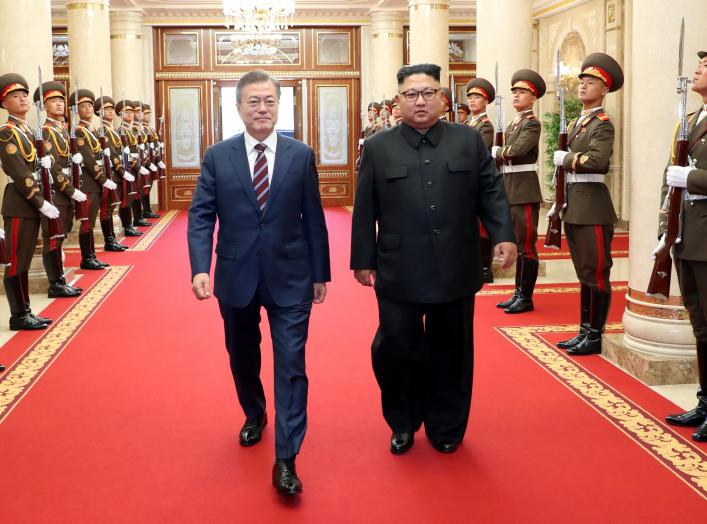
(447, 99)
(56, 144)
(111, 145)
(143, 178)
(153, 146)
(589, 214)
(520, 178)
(128, 189)
(463, 113)
(372, 126)
(21, 203)
(691, 260)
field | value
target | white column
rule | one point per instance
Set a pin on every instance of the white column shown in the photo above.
(127, 54)
(504, 35)
(652, 326)
(89, 44)
(429, 34)
(387, 52)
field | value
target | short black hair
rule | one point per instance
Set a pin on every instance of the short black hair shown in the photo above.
(255, 77)
(432, 70)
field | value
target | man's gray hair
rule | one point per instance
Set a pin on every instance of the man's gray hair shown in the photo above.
(255, 77)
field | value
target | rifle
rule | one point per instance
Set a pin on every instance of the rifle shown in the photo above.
(80, 208)
(499, 137)
(141, 158)
(454, 100)
(113, 195)
(128, 187)
(659, 283)
(56, 228)
(553, 237)
(160, 137)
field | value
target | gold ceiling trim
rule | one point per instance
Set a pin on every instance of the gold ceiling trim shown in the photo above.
(89, 6)
(555, 7)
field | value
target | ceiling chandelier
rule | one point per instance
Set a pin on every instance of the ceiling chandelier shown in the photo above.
(259, 16)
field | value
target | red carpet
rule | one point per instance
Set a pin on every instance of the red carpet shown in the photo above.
(136, 419)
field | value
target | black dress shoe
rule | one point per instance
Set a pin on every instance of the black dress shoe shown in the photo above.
(26, 322)
(104, 264)
(285, 479)
(91, 263)
(701, 434)
(591, 345)
(130, 231)
(521, 305)
(566, 344)
(141, 223)
(445, 446)
(486, 275)
(150, 214)
(62, 290)
(693, 418)
(509, 302)
(114, 246)
(252, 430)
(2, 368)
(401, 442)
(43, 320)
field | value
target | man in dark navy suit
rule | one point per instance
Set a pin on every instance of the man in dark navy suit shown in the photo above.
(272, 252)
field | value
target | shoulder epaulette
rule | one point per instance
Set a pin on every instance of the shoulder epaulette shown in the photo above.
(485, 119)
(530, 117)
(603, 116)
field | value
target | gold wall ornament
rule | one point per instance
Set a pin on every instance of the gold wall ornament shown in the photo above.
(259, 16)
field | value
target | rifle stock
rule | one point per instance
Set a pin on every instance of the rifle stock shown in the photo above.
(553, 237)
(80, 208)
(56, 228)
(113, 195)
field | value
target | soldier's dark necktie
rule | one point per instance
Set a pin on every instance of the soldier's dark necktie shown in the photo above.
(260, 177)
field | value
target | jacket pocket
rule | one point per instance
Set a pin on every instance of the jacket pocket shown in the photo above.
(389, 242)
(391, 173)
(459, 165)
(226, 252)
(296, 250)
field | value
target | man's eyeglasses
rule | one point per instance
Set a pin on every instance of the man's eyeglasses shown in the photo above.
(413, 94)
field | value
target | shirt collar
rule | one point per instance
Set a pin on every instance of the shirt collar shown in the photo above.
(521, 113)
(250, 142)
(478, 117)
(414, 137)
(590, 111)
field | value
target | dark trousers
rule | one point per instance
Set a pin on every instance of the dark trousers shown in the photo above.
(590, 249)
(288, 330)
(423, 359)
(692, 276)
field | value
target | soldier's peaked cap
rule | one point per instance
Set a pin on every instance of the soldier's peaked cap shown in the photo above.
(447, 95)
(124, 105)
(50, 89)
(10, 82)
(701, 54)
(82, 95)
(102, 103)
(530, 80)
(605, 68)
(481, 86)
(375, 106)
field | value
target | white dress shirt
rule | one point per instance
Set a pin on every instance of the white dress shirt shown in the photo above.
(270, 146)
(703, 115)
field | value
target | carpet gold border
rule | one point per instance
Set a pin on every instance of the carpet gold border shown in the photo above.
(151, 235)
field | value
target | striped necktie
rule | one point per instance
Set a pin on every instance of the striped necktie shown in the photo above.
(260, 176)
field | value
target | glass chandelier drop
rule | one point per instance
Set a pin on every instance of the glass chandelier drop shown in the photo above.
(259, 16)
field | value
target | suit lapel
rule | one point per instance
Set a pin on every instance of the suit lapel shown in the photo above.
(283, 156)
(239, 159)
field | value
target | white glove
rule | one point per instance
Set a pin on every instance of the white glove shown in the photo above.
(162, 145)
(2, 234)
(126, 150)
(161, 165)
(661, 245)
(153, 168)
(48, 210)
(110, 185)
(552, 210)
(494, 151)
(127, 176)
(558, 157)
(141, 147)
(77, 158)
(134, 155)
(79, 195)
(106, 152)
(677, 175)
(65, 170)
(46, 162)
(144, 171)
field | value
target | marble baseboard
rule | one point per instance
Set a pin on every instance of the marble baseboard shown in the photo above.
(649, 369)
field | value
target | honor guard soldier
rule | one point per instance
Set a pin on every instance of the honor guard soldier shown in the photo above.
(386, 109)
(373, 110)
(106, 106)
(153, 140)
(397, 115)
(93, 179)
(22, 202)
(462, 113)
(480, 93)
(446, 103)
(589, 214)
(691, 253)
(127, 190)
(143, 172)
(56, 144)
(518, 158)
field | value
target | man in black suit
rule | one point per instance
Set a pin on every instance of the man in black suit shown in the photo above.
(425, 184)
(272, 252)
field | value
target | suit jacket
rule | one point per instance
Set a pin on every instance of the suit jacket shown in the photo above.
(426, 199)
(694, 213)
(521, 147)
(592, 144)
(286, 246)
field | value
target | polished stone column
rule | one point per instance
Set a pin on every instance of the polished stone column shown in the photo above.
(429, 34)
(503, 36)
(387, 52)
(658, 345)
(89, 44)
(127, 54)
